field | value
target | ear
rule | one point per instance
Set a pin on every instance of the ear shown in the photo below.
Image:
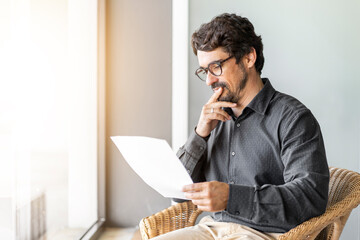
(250, 58)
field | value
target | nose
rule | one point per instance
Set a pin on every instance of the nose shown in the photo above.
(210, 79)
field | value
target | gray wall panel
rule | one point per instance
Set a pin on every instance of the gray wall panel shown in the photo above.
(138, 99)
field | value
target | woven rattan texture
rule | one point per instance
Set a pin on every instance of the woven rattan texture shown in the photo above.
(344, 195)
(175, 217)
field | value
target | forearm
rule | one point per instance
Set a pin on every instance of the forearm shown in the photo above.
(192, 156)
(290, 204)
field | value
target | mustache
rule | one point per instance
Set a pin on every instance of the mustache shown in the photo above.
(218, 85)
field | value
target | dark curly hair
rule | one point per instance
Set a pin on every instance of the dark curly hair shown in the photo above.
(235, 34)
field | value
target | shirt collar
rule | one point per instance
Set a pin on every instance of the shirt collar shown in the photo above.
(261, 101)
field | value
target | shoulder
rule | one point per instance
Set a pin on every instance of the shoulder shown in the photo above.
(290, 111)
(287, 103)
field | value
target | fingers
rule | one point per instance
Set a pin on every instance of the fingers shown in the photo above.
(221, 116)
(197, 195)
(215, 113)
(196, 191)
(201, 203)
(208, 196)
(212, 113)
(214, 107)
(222, 105)
(196, 187)
(216, 95)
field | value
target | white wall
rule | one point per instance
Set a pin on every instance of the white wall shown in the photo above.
(311, 51)
(138, 99)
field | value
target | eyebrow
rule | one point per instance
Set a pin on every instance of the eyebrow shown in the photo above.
(212, 62)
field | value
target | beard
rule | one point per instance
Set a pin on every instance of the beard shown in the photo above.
(232, 96)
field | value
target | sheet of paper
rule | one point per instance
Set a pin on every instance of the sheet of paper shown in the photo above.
(155, 162)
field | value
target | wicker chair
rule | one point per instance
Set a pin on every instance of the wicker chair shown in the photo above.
(344, 196)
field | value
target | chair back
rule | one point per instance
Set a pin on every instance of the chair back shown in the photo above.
(344, 195)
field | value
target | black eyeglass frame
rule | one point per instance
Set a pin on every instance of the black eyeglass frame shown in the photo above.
(219, 63)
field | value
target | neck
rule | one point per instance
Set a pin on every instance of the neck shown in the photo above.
(252, 88)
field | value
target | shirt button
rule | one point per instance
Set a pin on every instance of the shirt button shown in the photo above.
(232, 153)
(238, 125)
(201, 148)
(237, 212)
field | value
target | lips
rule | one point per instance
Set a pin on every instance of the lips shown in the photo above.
(215, 86)
(215, 89)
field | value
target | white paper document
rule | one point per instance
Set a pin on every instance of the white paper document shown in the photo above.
(155, 162)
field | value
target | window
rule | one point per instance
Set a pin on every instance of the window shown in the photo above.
(49, 118)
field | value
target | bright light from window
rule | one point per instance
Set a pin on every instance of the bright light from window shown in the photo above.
(48, 116)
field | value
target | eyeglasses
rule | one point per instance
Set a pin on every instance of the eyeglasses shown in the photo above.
(214, 68)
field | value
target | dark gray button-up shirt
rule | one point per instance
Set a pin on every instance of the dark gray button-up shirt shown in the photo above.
(273, 158)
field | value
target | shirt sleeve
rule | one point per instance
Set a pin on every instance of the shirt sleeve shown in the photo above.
(192, 156)
(306, 175)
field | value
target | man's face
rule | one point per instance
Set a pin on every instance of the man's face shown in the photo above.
(233, 78)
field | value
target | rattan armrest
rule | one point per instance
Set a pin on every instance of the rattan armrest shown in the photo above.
(336, 214)
(175, 217)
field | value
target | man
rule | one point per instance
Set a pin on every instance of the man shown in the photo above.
(257, 155)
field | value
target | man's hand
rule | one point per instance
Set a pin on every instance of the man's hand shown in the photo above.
(212, 113)
(208, 196)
